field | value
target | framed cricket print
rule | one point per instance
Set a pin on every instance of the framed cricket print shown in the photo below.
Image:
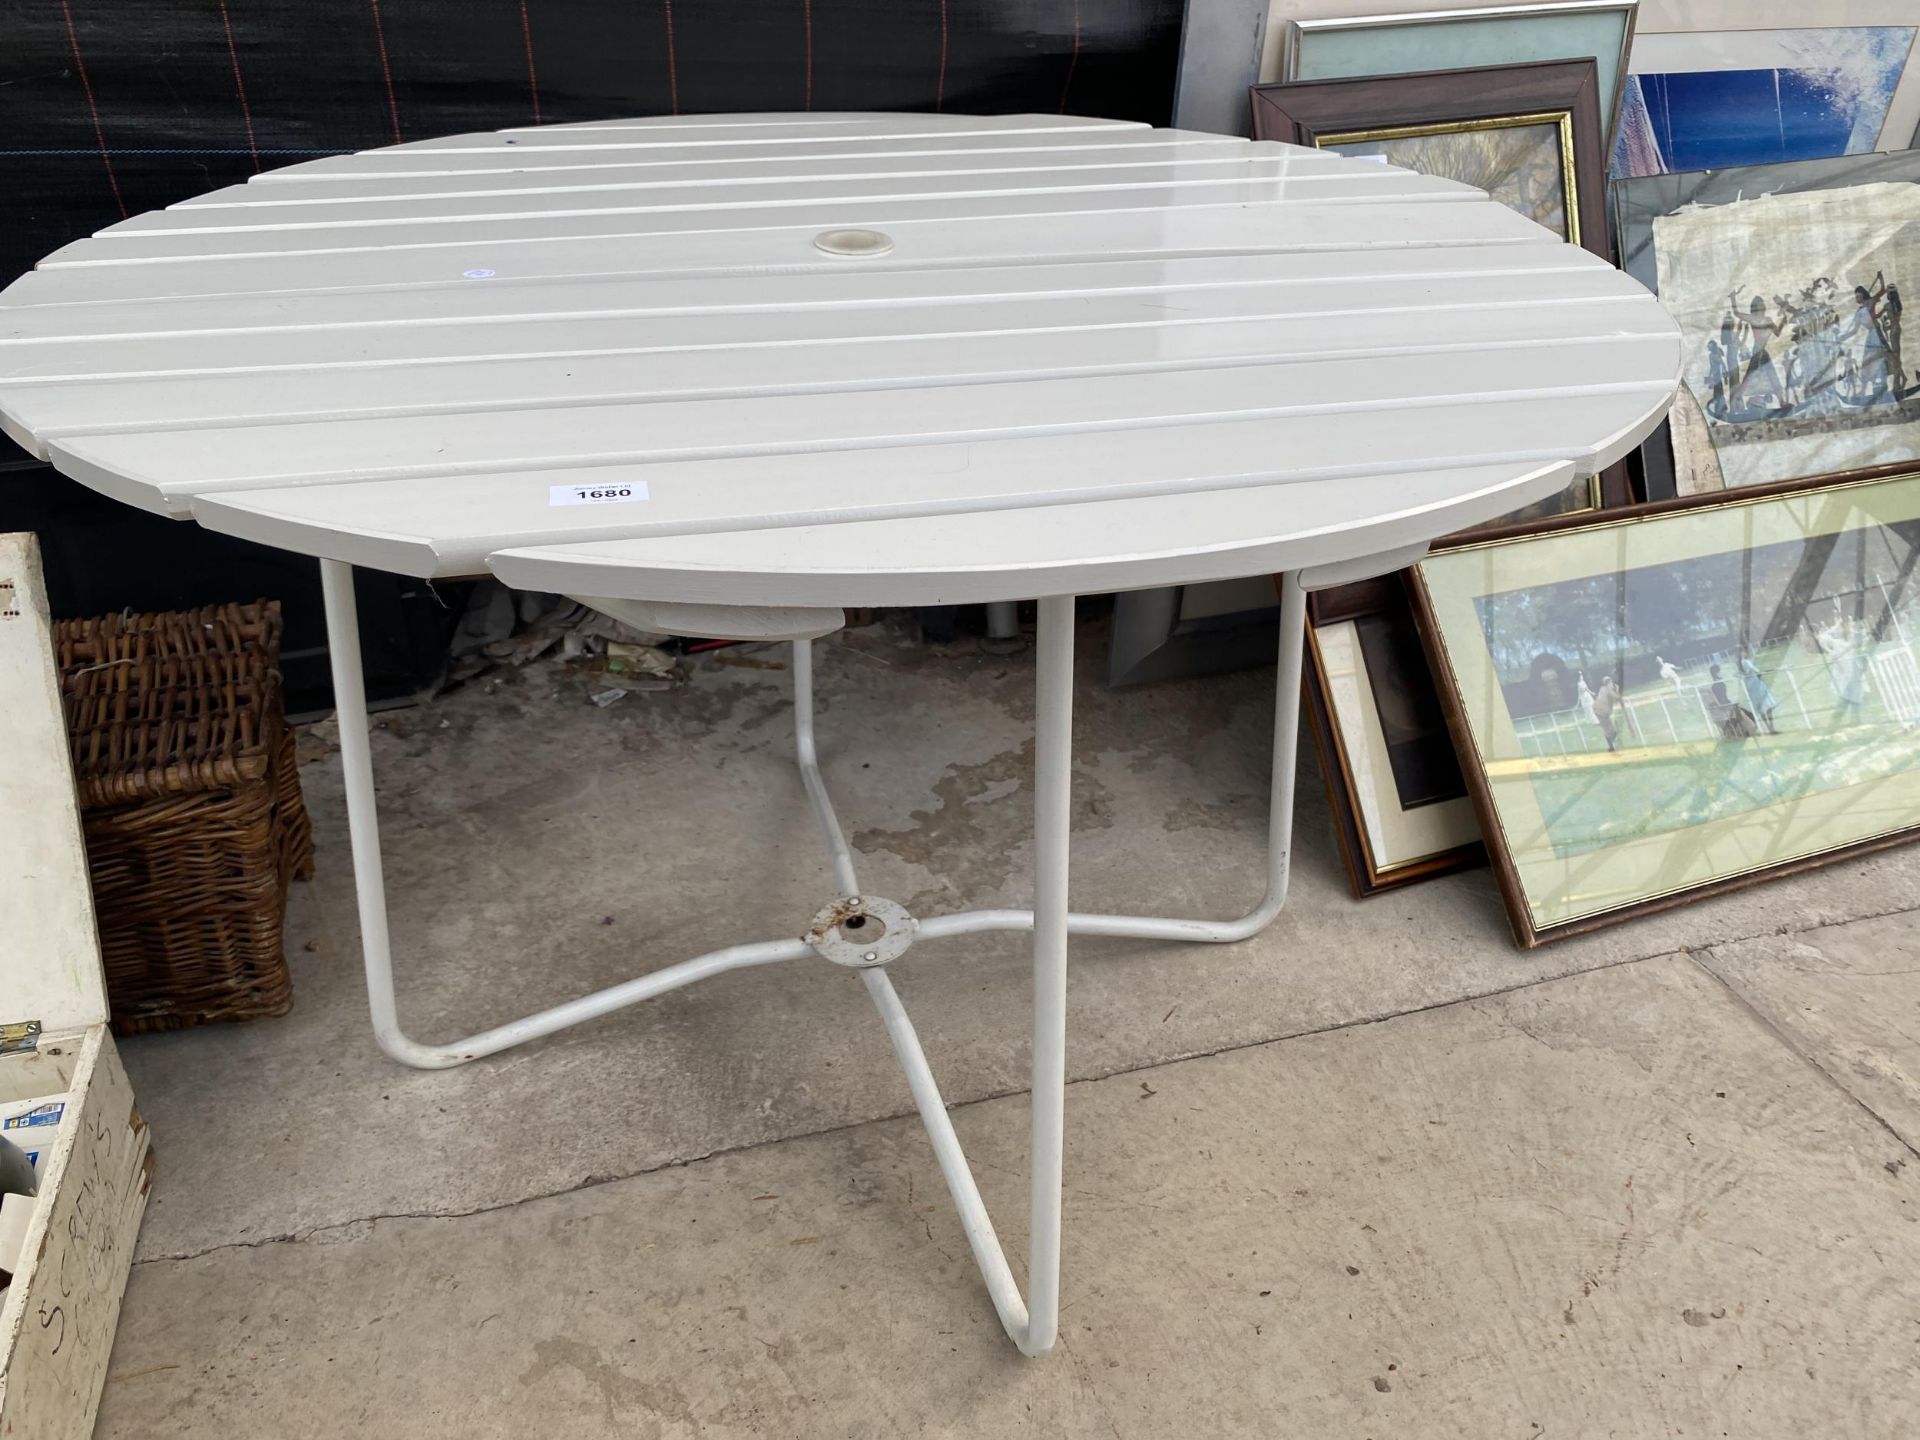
(1786, 282)
(1710, 692)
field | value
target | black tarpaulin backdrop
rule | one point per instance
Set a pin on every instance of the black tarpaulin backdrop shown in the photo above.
(112, 107)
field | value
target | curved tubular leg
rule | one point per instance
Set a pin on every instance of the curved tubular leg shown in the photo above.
(363, 828)
(810, 776)
(1286, 731)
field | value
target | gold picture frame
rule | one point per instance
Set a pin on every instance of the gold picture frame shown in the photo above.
(1561, 120)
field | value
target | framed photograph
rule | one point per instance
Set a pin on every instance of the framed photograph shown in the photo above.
(1715, 83)
(1338, 47)
(1786, 281)
(1702, 695)
(1400, 805)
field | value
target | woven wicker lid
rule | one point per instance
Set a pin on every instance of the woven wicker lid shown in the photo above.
(171, 703)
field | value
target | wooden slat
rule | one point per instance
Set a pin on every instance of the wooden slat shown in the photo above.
(987, 241)
(418, 527)
(1269, 180)
(788, 162)
(876, 120)
(252, 396)
(1347, 275)
(480, 235)
(918, 245)
(742, 171)
(1072, 248)
(772, 131)
(171, 466)
(1069, 549)
(555, 330)
(346, 171)
(782, 122)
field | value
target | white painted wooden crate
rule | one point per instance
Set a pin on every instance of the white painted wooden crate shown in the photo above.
(58, 1319)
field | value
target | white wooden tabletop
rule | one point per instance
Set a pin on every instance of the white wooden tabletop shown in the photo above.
(611, 359)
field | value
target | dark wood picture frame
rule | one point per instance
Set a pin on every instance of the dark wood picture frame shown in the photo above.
(1317, 113)
(1368, 873)
(1320, 112)
(1512, 893)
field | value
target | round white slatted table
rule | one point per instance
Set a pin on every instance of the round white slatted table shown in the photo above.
(628, 362)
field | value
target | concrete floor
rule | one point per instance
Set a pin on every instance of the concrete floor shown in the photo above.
(1374, 1173)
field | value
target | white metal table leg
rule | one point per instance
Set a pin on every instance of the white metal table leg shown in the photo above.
(363, 830)
(837, 849)
(1286, 731)
(1033, 1324)
(1052, 811)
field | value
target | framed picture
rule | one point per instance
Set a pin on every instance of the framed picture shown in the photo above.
(1714, 83)
(1786, 282)
(1699, 696)
(1529, 135)
(1399, 802)
(1338, 47)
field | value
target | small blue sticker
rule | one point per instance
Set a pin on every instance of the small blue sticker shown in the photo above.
(479, 274)
(45, 1115)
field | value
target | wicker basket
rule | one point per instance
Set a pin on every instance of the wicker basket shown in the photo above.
(190, 799)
